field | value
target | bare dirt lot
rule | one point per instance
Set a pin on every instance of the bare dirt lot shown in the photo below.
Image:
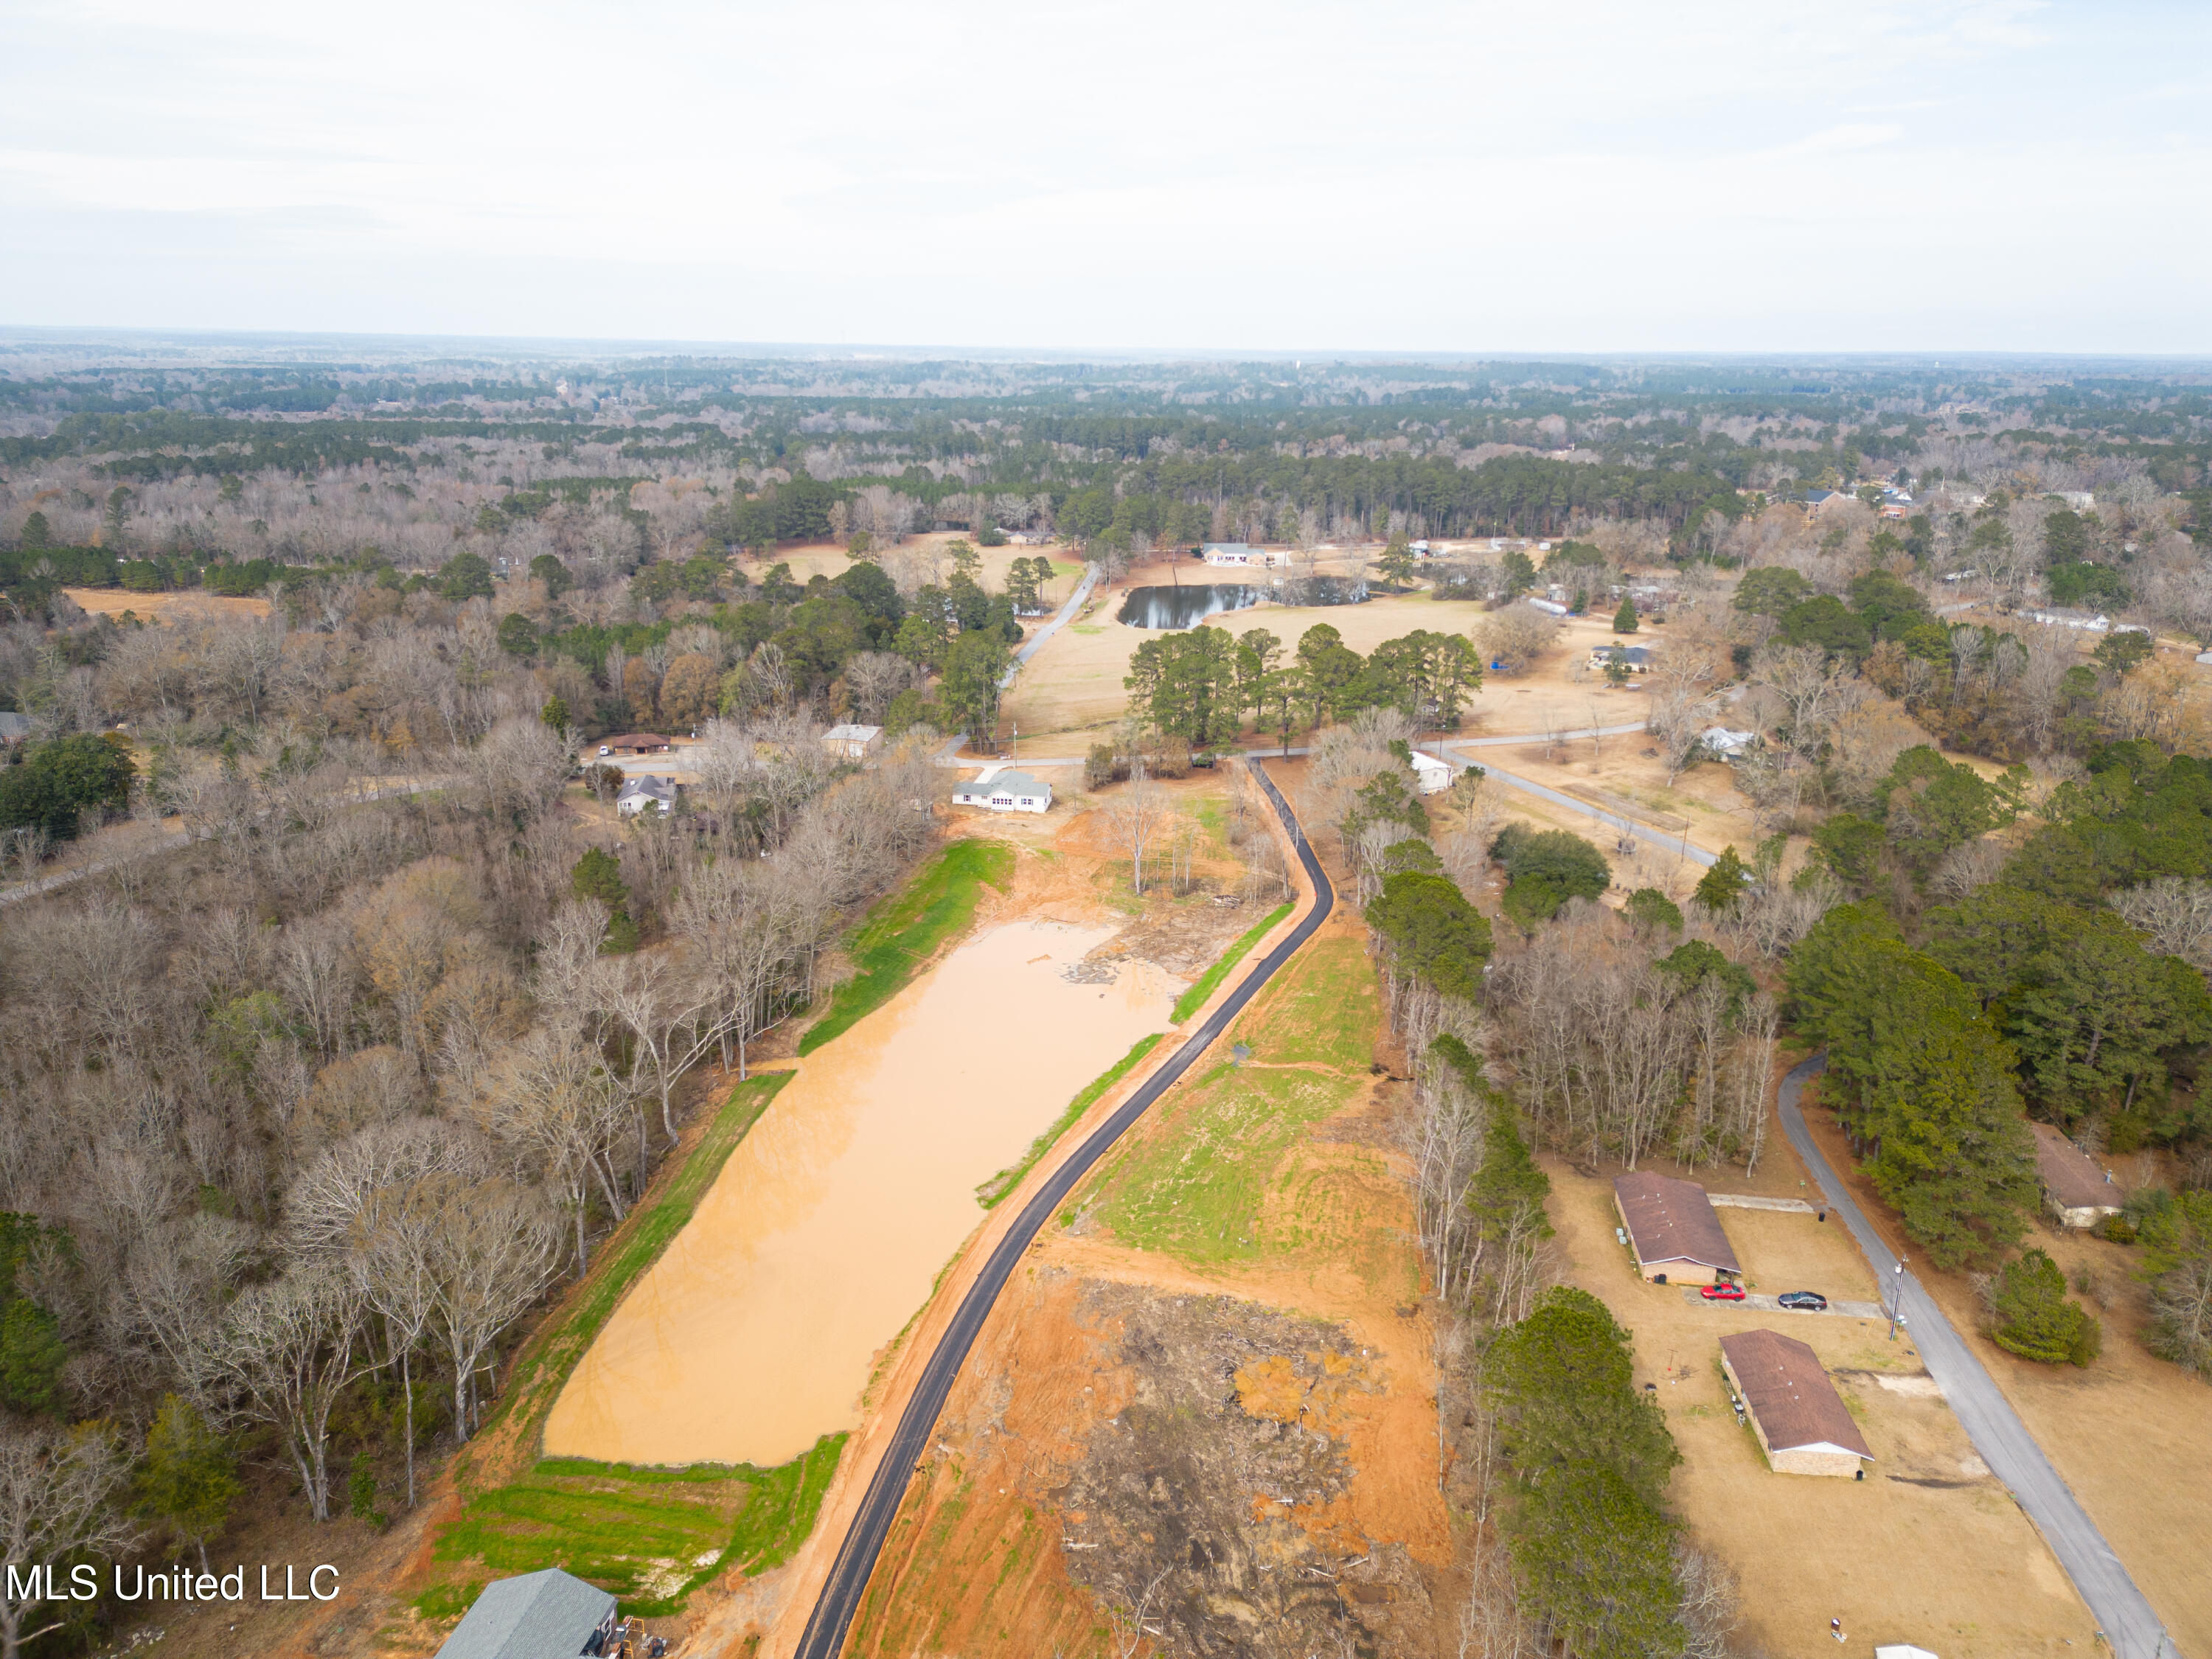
(1928, 1549)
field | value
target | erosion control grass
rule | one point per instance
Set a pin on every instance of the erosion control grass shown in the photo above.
(905, 930)
(1006, 1181)
(1194, 998)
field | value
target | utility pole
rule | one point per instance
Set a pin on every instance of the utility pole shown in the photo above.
(1897, 1298)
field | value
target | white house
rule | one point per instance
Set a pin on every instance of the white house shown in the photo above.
(645, 791)
(1430, 776)
(1720, 740)
(2080, 619)
(1002, 789)
(1235, 553)
(850, 742)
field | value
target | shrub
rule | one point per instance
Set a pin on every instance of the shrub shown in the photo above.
(2034, 1318)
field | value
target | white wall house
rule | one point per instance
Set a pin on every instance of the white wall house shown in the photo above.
(1003, 789)
(644, 792)
(1432, 776)
(1236, 553)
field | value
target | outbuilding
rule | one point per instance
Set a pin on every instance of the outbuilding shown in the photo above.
(1800, 1421)
(1673, 1230)
(2079, 1192)
(1002, 789)
(537, 1615)
(853, 743)
(1432, 776)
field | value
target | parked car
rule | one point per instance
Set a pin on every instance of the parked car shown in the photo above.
(1811, 1301)
(604, 750)
(1721, 1292)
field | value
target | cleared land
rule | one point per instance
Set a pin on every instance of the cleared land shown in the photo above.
(158, 607)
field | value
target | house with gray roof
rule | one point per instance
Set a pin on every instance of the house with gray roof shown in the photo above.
(550, 1614)
(1002, 789)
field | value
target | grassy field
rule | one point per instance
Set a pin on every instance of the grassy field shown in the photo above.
(1326, 1011)
(1006, 1180)
(905, 931)
(648, 1537)
(1194, 998)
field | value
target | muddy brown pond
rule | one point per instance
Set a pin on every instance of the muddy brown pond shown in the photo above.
(753, 1335)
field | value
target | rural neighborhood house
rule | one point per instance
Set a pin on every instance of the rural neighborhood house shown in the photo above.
(646, 793)
(1798, 1417)
(853, 743)
(2079, 1192)
(538, 1615)
(1673, 1230)
(1002, 789)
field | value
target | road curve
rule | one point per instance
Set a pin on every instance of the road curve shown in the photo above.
(2124, 1614)
(826, 1629)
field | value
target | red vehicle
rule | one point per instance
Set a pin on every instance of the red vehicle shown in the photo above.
(1721, 1292)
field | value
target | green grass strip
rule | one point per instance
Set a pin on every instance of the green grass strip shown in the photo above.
(543, 1366)
(905, 931)
(1006, 1181)
(1194, 998)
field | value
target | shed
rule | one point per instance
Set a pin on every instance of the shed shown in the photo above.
(850, 742)
(637, 743)
(2079, 1192)
(1673, 1230)
(646, 791)
(1002, 789)
(1432, 776)
(1798, 1416)
(538, 1615)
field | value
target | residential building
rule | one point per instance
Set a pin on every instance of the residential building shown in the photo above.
(538, 1615)
(646, 792)
(635, 743)
(853, 742)
(1003, 789)
(1635, 659)
(1671, 1226)
(2079, 1192)
(1235, 553)
(2080, 619)
(1728, 745)
(1800, 1421)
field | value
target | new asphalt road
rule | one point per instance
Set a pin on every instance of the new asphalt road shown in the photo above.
(856, 1556)
(2122, 1615)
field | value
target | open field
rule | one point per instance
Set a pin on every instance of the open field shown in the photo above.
(2130, 1434)
(923, 555)
(157, 607)
(1928, 1549)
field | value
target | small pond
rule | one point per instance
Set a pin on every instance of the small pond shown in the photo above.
(1184, 607)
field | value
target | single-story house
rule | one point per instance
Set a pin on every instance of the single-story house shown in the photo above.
(1673, 1230)
(1433, 776)
(2080, 619)
(1002, 789)
(853, 742)
(2079, 1192)
(1798, 1417)
(538, 1615)
(1720, 740)
(1030, 537)
(1235, 553)
(1635, 659)
(637, 743)
(14, 727)
(646, 791)
(1419, 549)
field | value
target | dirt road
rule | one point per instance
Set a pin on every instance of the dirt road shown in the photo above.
(856, 1556)
(2001, 1438)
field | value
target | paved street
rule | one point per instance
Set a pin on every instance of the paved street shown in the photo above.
(2122, 1611)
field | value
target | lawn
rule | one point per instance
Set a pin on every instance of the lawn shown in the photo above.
(904, 930)
(1324, 1011)
(648, 1537)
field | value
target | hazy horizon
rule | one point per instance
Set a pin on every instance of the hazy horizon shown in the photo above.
(1408, 179)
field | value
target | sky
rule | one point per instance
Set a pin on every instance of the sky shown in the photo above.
(1607, 176)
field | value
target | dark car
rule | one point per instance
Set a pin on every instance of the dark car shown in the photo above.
(1721, 1292)
(1811, 1301)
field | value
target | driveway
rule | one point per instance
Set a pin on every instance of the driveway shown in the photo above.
(1768, 1305)
(2124, 1615)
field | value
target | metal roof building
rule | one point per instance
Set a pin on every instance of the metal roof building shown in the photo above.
(539, 1615)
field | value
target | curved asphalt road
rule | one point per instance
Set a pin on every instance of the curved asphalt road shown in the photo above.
(856, 1556)
(2123, 1614)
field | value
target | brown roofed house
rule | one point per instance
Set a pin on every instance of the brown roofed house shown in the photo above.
(1673, 1230)
(637, 743)
(1795, 1411)
(2079, 1192)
